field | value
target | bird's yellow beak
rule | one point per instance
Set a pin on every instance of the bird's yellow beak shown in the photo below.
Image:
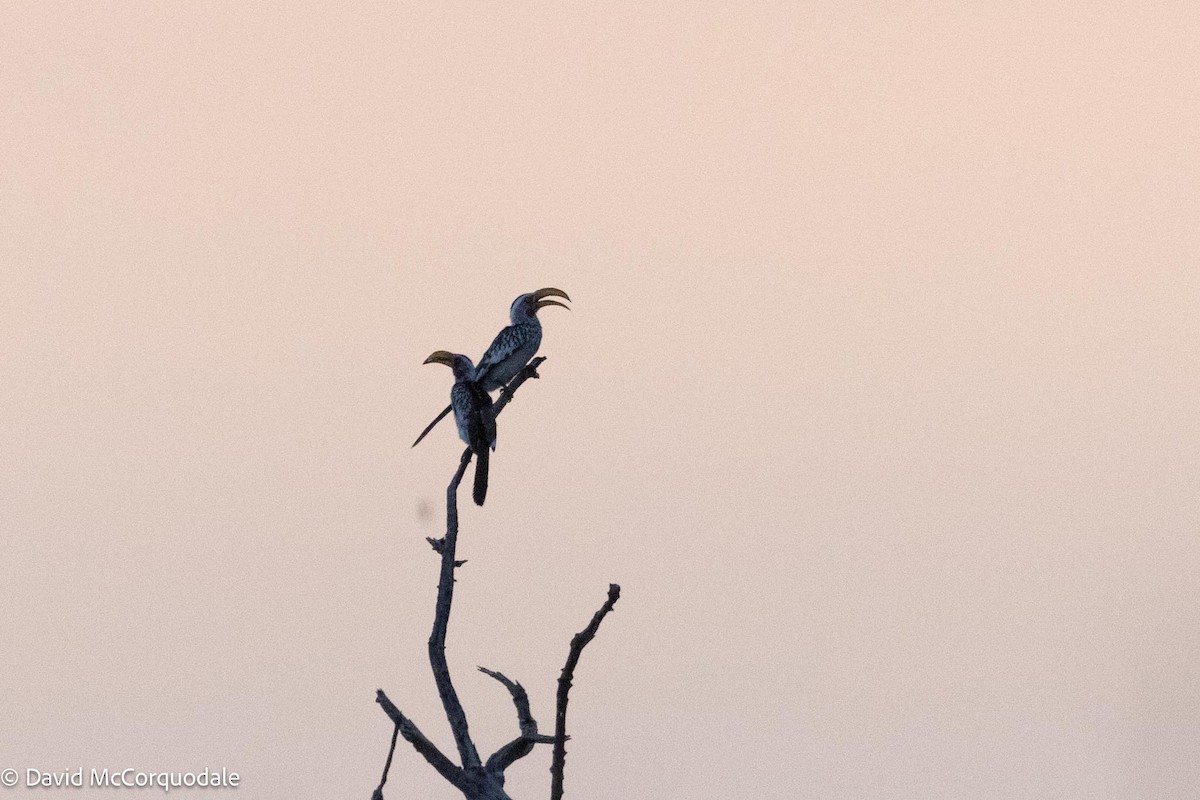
(440, 357)
(550, 292)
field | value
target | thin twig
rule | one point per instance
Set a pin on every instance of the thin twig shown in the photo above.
(578, 642)
(387, 765)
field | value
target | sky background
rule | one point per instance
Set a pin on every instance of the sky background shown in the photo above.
(879, 397)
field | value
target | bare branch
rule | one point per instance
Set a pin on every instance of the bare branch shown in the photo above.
(527, 372)
(521, 746)
(455, 714)
(472, 779)
(412, 734)
(445, 547)
(387, 765)
(520, 698)
(441, 620)
(578, 642)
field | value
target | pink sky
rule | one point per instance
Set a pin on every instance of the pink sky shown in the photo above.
(879, 397)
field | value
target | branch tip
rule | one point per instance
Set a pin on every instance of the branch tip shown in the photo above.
(578, 642)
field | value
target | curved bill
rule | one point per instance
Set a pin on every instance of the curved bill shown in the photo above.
(440, 357)
(550, 292)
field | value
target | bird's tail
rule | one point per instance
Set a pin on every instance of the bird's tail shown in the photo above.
(431, 425)
(481, 476)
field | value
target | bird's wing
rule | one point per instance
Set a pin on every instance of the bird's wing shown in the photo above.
(487, 416)
(504, 345)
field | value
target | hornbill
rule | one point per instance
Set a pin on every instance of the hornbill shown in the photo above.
(512, 348)
(473, 412)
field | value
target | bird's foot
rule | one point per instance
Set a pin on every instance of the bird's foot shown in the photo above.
(531, 367)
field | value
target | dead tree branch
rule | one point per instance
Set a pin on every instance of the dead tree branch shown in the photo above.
(441, 620)
(470, 778)
(475, 780)
(445, 597)
(578, 642)
(445, 767)
(387, 765)
(521, 746)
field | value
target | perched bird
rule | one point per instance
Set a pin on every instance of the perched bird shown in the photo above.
(473, 412)
(512, 348)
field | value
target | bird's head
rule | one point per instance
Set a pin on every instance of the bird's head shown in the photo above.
(460, 365)
(527, 305)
